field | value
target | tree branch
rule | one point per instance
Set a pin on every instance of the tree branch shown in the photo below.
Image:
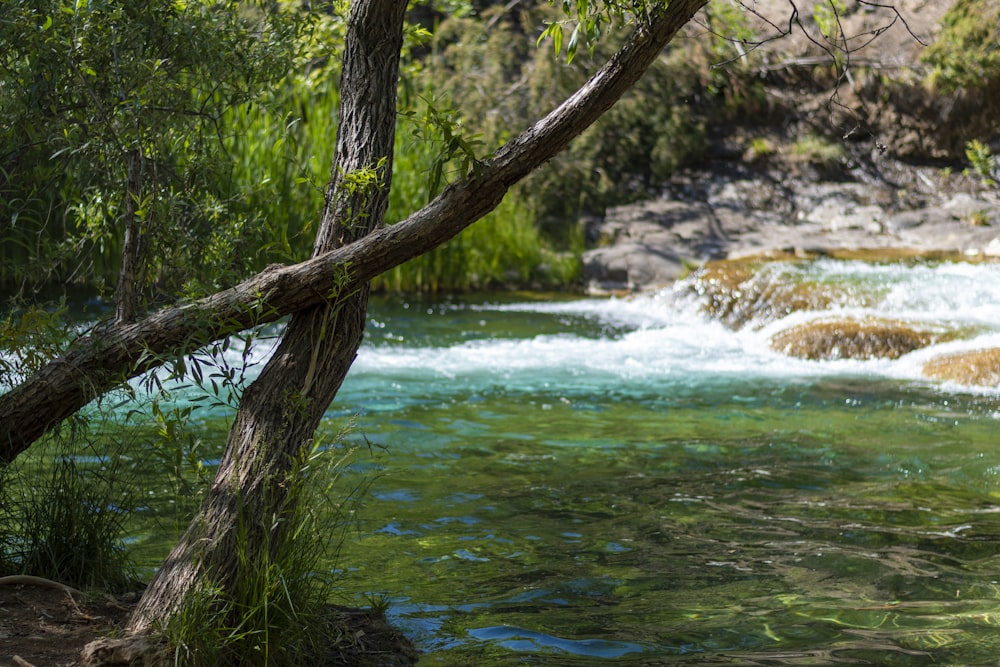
(95, 364)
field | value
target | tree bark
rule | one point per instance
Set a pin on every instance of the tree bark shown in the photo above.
(97, 363)
(127, 292)
(281, 410)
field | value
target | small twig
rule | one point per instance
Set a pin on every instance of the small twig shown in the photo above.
(898, 16)
(822, 60)
(496, 17)
(21, 662)
(838, 47)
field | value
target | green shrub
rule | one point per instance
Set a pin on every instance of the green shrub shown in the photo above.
(983, 161)
(966, 54)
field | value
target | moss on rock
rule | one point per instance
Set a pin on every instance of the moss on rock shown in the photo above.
(852, 339)
(979, 368)
(741, 291)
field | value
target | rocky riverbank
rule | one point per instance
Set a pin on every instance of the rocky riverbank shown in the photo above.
(733, 211)
(855, 154)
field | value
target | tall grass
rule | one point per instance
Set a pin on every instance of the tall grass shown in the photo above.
(64, 513)
(276, 611)
(281, 167)
(504, 249)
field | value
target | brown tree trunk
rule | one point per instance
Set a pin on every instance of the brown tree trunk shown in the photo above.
(280, 412)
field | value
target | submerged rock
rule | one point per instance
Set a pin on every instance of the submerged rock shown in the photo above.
(852, 339)
(979, 368)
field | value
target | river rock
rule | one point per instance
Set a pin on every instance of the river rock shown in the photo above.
(630, 266)
(741, 291)
(843, 206)
(992, 248)
(652, 243)
(847, 338)
(976, 368)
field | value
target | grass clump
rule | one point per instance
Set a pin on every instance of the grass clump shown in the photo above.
(276, 610)
(64, 517)
(818, 151)
(985, 164)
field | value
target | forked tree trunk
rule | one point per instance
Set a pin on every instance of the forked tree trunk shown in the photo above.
(95, 364)
(280, 412)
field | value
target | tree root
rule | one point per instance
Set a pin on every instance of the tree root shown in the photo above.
(130, 650)
(29, 580)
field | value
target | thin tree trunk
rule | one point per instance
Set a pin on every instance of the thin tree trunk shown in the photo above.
(126, 294)
(96, 364)
(280, 412)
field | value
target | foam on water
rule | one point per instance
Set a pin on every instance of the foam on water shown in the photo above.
(667, 336)
(663, 339)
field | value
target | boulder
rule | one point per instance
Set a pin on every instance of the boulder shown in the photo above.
(650, 244)
(979, 368)
(631, 266)
(846, 338)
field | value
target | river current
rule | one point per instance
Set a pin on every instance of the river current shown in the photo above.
(566, 481)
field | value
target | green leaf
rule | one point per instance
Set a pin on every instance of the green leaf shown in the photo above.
(554, 32)
(571, 46)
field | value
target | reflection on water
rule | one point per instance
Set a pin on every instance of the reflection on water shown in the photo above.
(596, 482)
(567, 532)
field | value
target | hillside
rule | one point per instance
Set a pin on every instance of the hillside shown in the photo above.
(864, 148)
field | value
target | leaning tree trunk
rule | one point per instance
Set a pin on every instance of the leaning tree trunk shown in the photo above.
(280, 412)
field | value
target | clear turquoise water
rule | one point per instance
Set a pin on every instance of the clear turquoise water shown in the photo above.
(590, 482)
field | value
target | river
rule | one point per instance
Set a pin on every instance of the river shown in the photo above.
(566, 481)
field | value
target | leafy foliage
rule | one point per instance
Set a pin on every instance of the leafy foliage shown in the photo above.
(590, 21)
(224, 100)
(86, 84)
(966, 54)
(505, 83)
